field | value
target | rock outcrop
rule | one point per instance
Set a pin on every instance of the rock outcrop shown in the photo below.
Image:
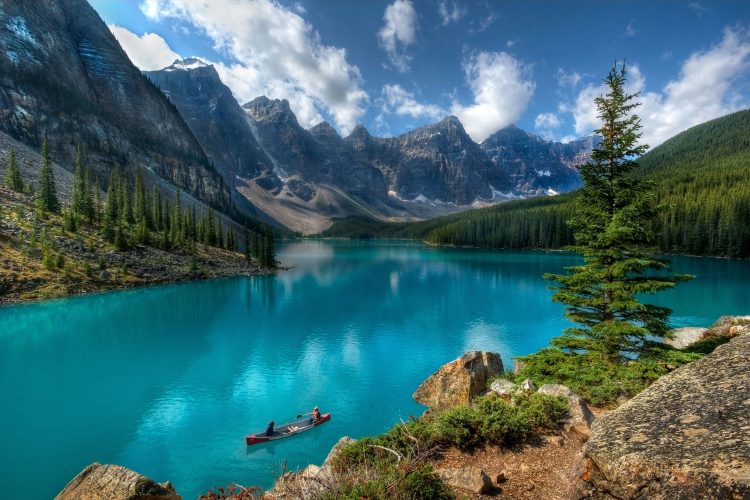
(725, 328)
(686, 436)
(113, 482)
(460, 381)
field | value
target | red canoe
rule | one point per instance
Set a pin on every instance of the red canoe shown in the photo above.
(287, 430)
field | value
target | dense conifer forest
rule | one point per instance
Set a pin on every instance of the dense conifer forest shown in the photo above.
(702, 179)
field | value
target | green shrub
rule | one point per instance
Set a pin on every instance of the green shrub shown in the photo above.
(423, 484)
(501, 423)
(458, 426)
(544, 412)
(598, 381)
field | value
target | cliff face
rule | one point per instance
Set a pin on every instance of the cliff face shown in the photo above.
(686, 436)
(218, 122)
(63, 75)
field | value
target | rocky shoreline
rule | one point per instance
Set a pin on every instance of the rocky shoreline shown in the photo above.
(84, 263)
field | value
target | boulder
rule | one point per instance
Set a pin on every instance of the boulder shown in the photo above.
(580, 416)
(686, 436)
(503, 388)
(458, 382)
(471, 479)
(726, 326)
(113, 482)
(683, 337)
(345, 440)
(527, 386)
(556, 390)
(729, 326)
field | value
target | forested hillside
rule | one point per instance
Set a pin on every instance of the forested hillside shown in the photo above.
(702, 177)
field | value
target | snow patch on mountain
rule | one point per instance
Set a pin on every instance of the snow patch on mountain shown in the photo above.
(186, 64)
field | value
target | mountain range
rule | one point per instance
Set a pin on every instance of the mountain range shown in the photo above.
(304, 178)
(64, 76)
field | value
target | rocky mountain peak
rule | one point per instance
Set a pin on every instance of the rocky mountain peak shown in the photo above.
(324, 129)
(264, 109)
(187, 64)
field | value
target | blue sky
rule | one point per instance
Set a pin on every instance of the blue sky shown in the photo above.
(394, 65)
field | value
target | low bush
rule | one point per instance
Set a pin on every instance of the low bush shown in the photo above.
(598, 381)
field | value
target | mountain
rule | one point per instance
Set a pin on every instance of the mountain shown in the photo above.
(535, 166)
(306, 178)
(701, 177)
(63, 75)
(438, 163)
(217, 121)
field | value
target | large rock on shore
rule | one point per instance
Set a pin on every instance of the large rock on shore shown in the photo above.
(458, 382)
(686, 436)
(725, 327)
(113, 482)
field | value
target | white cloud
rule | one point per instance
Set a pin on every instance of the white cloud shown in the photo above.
(502, 89)
(511, 43)
(399, 31)
(452, 13)
(276, 53)
(398, 101)
(629, 30)
(546, 124)
(567, 78)
(547, 121)
(300, 8)
(702, 91)
(148, 51)
(697, 8)
(486, 22)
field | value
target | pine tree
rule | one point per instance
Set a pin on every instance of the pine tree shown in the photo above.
(269, 252)
(81, 204)
(111, 212)
(256, 246)
(12, 173)
(47, 192)
(611, 225)
(97, 203)
(248, 249)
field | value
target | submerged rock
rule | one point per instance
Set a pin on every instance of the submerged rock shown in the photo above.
(686, 436)
(458, 382)
(113, 482)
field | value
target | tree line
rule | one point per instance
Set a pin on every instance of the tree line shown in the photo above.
(130, 214)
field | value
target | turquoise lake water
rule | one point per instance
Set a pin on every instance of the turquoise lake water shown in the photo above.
(169, 380)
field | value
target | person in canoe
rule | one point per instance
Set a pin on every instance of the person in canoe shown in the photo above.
(315, 415)
(269, 428)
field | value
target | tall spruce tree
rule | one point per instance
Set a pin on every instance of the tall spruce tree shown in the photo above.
(12, 178)
(611, 224)
(81, 204)
(46, 200)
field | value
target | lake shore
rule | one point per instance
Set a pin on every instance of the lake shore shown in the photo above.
(38, 260)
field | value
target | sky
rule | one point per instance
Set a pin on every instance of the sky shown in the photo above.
(396, 65)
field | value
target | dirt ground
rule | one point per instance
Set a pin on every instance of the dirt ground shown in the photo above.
(546, 468)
